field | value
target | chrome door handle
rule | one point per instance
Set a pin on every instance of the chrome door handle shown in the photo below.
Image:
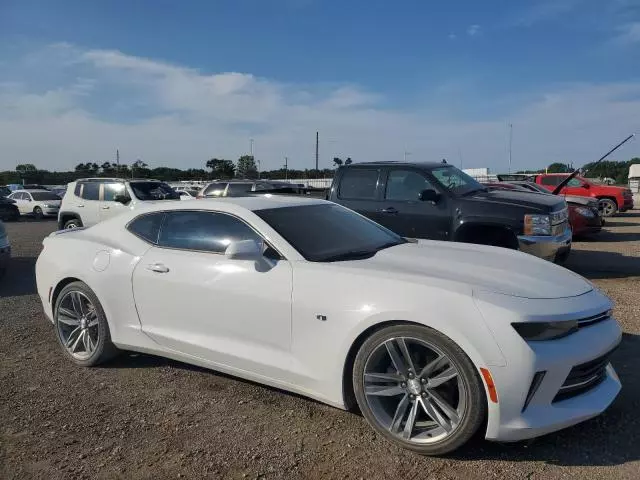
(157, 267)
(80, 205)
(105, 207)
(390, 210)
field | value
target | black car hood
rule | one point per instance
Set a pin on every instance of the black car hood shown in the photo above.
(530, 200)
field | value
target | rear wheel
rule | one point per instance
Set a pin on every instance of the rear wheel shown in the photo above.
(81, 326)
(608, 207)
(418, 389)
(73, 223)
(38, 213)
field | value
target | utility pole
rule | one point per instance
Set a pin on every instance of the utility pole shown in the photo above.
(316, 152)
(405, 155)
(118, 159)
(286, 166)
(510, 144)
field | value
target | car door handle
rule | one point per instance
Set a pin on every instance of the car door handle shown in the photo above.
(106, 207)
(390, 211)
(157, 267)
(80, 205)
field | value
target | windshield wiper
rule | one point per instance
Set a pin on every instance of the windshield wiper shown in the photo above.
(350, 255)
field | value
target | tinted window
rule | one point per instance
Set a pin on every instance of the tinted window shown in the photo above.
(4, 192)
(552, 180)
(153, 191)
(91, 191)
(147, 226)
(215, 189)
(325, 232)
(358, 183)
(111, 190)
(77, 189)
(237, 189)
(204, 231)
(42, 196)
(404, 185)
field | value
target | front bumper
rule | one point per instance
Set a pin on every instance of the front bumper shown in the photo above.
(512, 418)
(546, 246)
(627, 205)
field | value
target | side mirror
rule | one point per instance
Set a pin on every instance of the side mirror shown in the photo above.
(586, 185)
(123, 199)
(244, 250)
(429, 195)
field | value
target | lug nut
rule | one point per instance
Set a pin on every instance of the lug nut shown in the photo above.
(424, 380)
(424, 394)
(411, 375)
(403, 385)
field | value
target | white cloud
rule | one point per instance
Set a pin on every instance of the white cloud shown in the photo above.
(97, 101)
(628, 34)
(473, 30)
(542, 11)
(452, 36)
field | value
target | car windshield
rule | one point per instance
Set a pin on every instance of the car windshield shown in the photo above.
(329, 232)
(4, 192)
(153, 191)
(456, 181)
(41, 196)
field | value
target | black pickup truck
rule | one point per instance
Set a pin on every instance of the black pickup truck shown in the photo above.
(440, 202)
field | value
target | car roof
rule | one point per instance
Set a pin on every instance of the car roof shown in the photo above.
(32, 190)
(393, 163)
(252, 203)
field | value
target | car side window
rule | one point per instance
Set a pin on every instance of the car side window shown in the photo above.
(406, 185)
(574, 182)
(551, 180)
(91, 191)
(147, 226)
(78, 189)
(237, 189)
(215, 189)
(203, 231)
(111, 190)
(358, 184)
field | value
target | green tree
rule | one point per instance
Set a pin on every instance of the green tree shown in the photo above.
(26, 168)
(221, 168)
(247, 167)
(558, 167)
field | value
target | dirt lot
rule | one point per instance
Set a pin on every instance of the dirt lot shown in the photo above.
(145, 417)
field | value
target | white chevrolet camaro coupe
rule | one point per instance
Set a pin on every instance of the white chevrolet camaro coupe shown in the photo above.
(431, 340)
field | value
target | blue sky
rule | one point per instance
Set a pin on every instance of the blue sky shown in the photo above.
(179, 82)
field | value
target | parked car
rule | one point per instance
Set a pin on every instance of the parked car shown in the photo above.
(4, 191)
(187, 194)
(439, 202)
(8, 210)
(238, 188)
(91, 200)
(584, 212)
(610, 198)
(5, 250)
(431, 340)
(39, 203)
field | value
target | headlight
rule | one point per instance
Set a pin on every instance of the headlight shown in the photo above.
(540, 331)
(585, 212)
(537, 225)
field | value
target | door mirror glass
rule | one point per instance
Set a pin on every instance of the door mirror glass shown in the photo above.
(429, 196)
(244, 250)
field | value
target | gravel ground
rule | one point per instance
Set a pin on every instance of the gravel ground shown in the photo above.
(146, 417)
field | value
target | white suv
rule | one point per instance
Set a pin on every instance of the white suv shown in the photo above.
(90, 200)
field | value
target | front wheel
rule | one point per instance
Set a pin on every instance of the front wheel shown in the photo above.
(73, 223)
(81, 326)
(608, 207)
(418, 389)
(37, 212)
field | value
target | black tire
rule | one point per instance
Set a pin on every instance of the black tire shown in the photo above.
(476, 402)
(38, 213)
(608, 207)
(73, 223)
(104, 349)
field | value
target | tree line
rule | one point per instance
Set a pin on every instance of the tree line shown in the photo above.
(245, 167)
(216, 168)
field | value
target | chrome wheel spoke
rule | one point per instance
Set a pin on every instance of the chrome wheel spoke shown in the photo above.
(70, 338)
(68, 313)
(382, 377)
(75, 344)
(434, 365)
(76, 301)
(435, 414)
(443, 377)
(411, 420)
(384, 390)
(70, 321)
(400, 357)
(444, 406)
(401, 411)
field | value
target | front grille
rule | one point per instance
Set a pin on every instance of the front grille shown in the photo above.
(583, 378)
(587, 321)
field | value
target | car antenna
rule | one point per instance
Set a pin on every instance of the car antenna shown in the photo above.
(575, 172)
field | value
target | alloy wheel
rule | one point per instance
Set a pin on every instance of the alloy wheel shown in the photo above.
(77, 322)
(414, 390)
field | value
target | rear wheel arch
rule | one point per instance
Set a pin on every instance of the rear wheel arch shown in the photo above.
(66, 217)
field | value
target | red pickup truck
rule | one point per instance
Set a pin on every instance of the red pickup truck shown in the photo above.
(611, 199)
